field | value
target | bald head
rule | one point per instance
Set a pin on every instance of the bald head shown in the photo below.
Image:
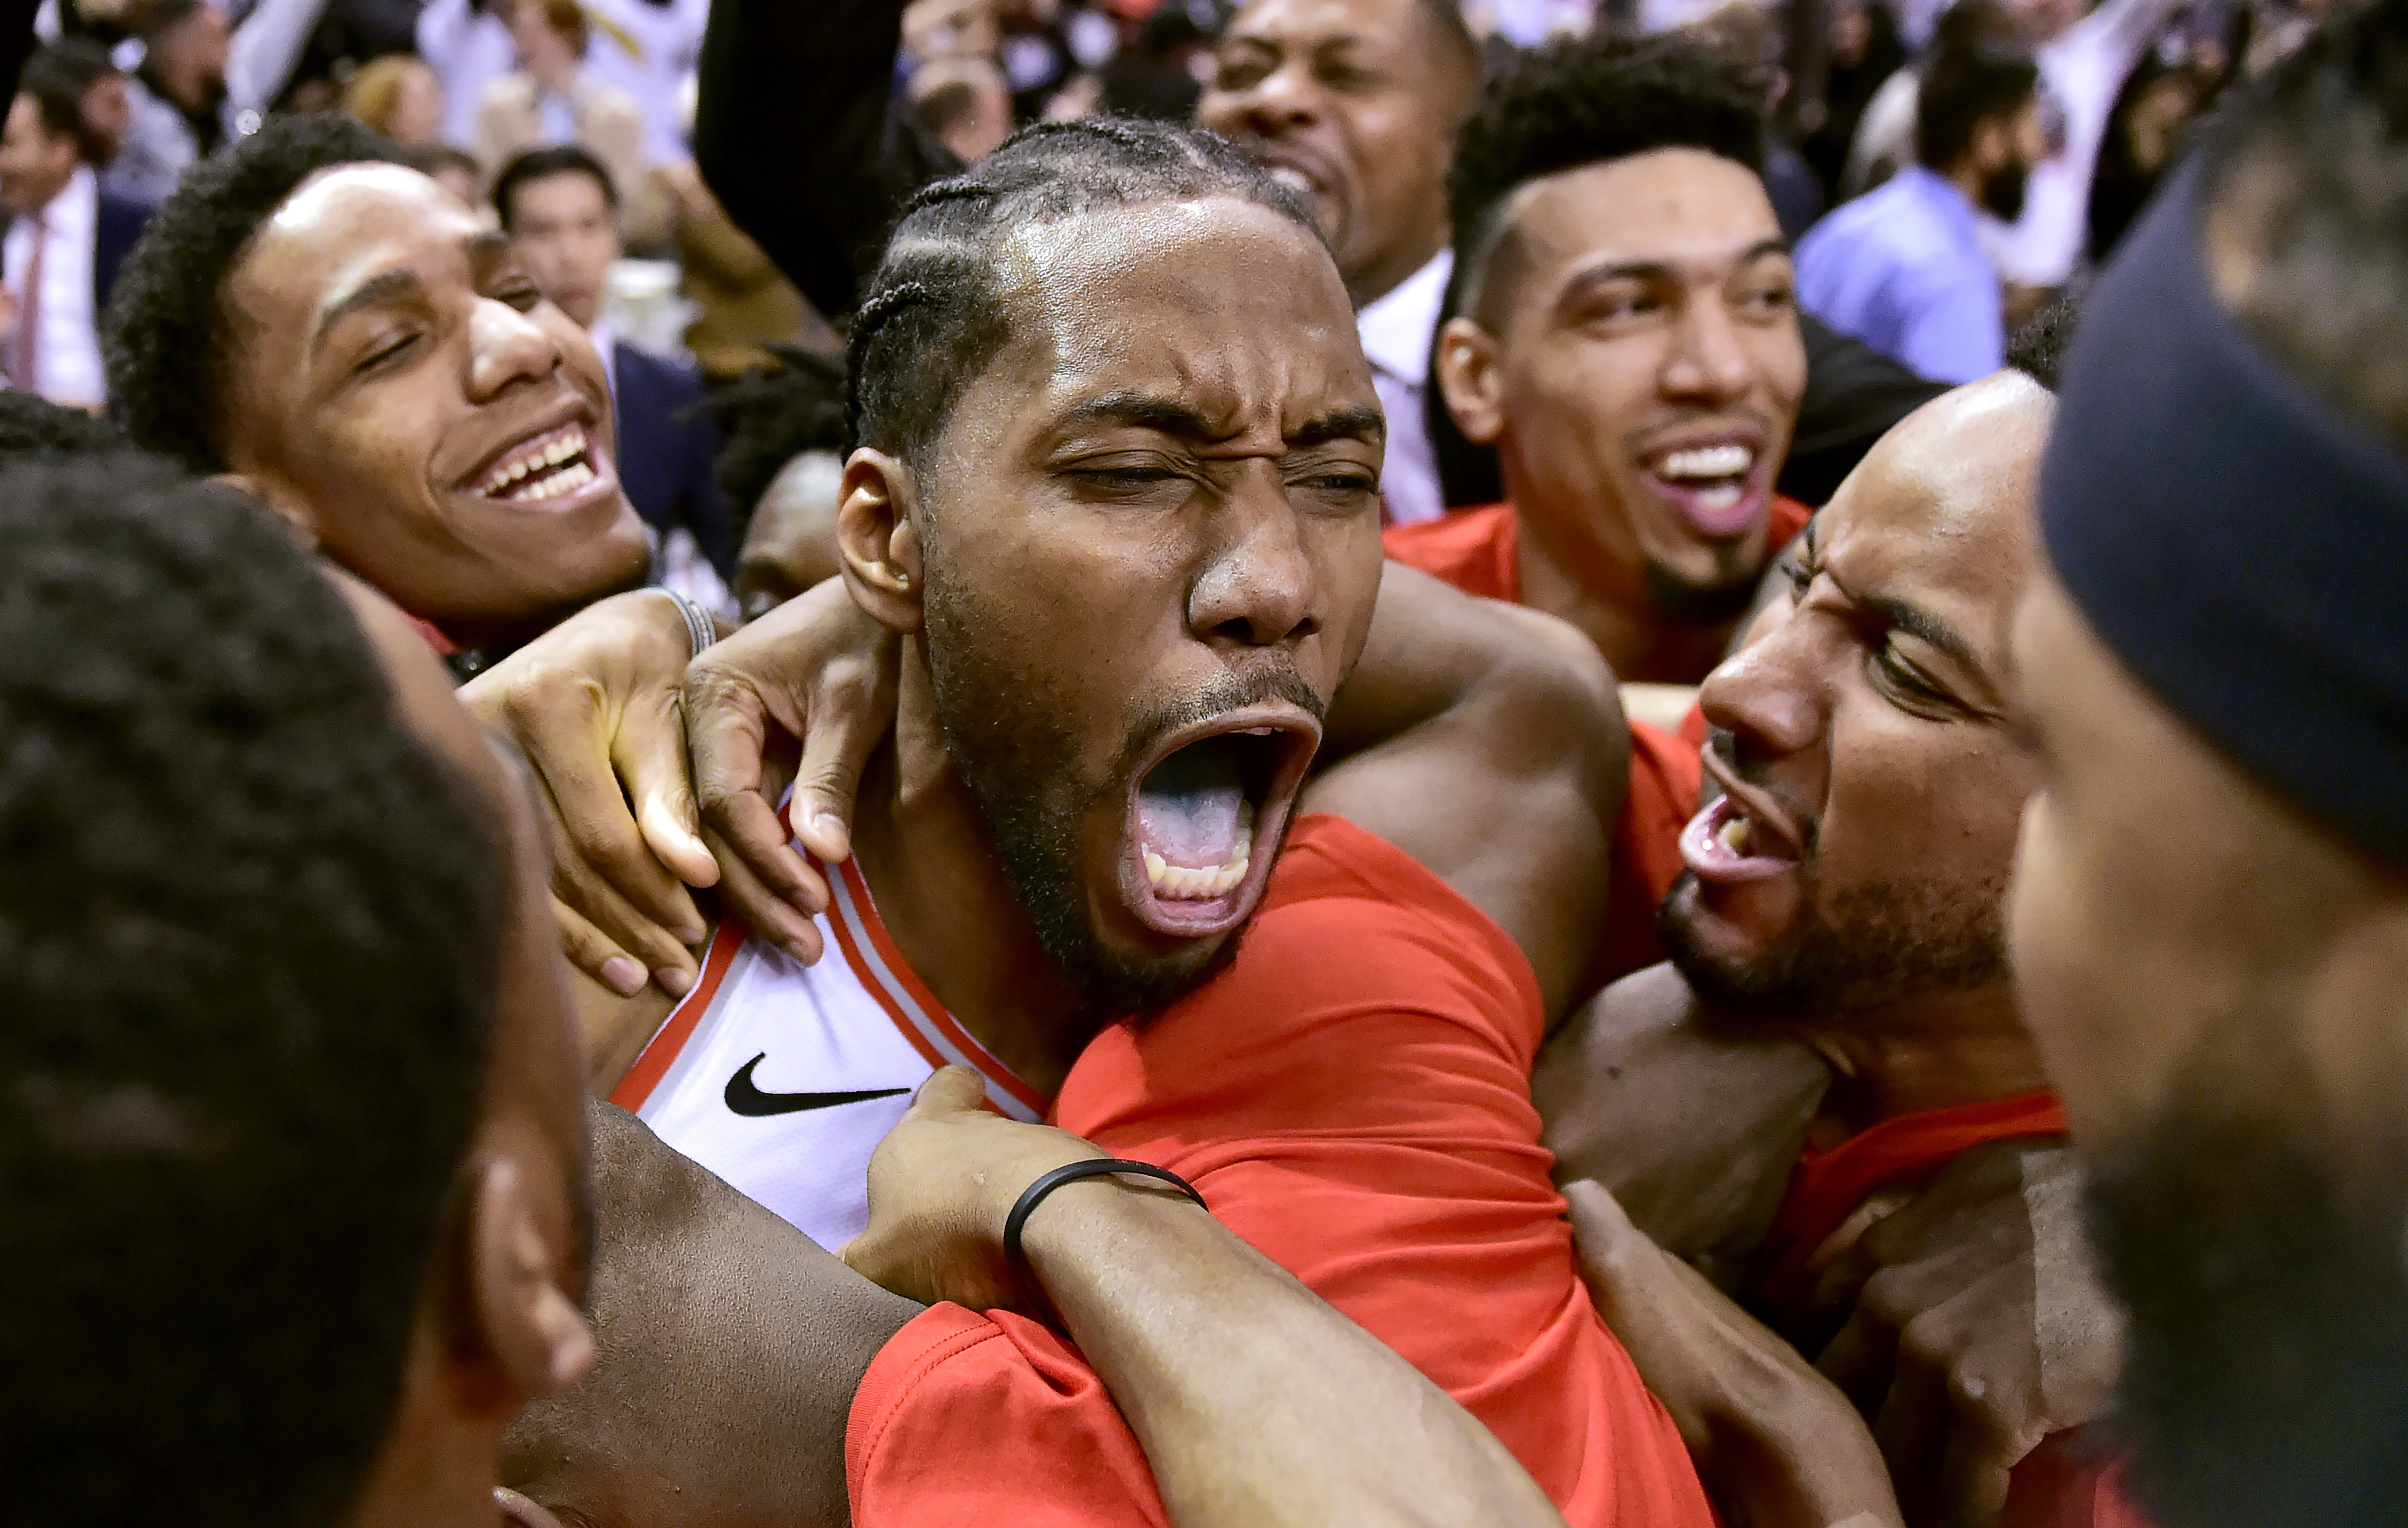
(1857, 870)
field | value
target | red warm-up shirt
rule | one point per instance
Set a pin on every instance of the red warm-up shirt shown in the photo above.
(1477, 550)
(1352, 1096)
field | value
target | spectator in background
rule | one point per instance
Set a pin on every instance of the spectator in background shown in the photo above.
(647, 48)
(1749, 33)
(559, 207)
(1884, 143)
(84, 67)
(467, 45)
(965, 102)
(175, 97)
(399, 96)
(551, 101)
(782, 471)
(455, 169)
(1865, 52)
(744, 307)
(1903, 269)
(2152, 118)
(65, 240)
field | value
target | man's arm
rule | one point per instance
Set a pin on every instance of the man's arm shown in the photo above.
(1256, 1404)
(795, 131)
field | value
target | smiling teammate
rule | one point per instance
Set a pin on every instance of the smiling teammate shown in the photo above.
(334, 330)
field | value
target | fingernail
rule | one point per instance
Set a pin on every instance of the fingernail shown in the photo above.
(676, 980)
(623, 975)
(800, 951)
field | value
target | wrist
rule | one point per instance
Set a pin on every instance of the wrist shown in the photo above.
(1105, 1191)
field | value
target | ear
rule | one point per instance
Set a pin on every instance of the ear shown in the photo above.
(1469, 376)
(527, 1323)
(267, 490)
(877, 538)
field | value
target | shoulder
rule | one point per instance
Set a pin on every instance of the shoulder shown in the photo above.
(1464, 547)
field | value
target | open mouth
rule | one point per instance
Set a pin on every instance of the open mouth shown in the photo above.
(1727, 842)
(1206, 820)
(1718, 488)
(1298, 171)
(552, 466)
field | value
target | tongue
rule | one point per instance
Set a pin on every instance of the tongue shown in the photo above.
(1188, 806)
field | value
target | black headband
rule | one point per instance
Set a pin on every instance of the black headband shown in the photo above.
(2240, 544)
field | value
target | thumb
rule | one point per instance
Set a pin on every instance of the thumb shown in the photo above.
(1611, 1249)
(838, 741)
(949, 1090)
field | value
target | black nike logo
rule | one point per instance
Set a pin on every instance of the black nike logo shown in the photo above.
(751, 1102)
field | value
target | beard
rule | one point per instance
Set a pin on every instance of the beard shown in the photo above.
(2002, 193)
(1861, 948)
(1021, 768)
(1686, 604)
(2267, 1346)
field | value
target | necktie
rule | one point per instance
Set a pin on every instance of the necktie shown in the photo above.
(29, 315)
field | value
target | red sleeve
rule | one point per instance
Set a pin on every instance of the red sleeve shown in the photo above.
(984, 1422)
(1666, 780)
(1470, 549)
(1353, 1098)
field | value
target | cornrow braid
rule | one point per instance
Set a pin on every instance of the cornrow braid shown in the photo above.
(933, 314)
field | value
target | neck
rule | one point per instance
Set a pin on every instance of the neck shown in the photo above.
(1603, 591)
(436, 1469)
(39, 198)
(1930, 1051)
(1393, 268)
(943, 896)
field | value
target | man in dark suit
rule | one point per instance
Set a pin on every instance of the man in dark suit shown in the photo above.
(65, 240)
(560, 208)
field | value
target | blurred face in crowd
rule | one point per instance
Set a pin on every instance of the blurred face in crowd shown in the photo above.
(190, 57)
(107, 112)
(1631, 350)
(1859, 853)
(417, 114)
(543, 51)
(791, 544)
(2004, 152)
(563, 229)
(1354, 103)
(399, 387)
(1181, 427)
(35, 161)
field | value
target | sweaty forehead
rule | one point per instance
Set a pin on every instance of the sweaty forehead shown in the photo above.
(1941, 513)
(1223, 305)
(1388, 26)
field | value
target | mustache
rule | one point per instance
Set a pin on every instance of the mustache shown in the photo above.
(1274, 676)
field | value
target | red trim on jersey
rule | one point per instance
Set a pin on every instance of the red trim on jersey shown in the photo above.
(917, 990)
(661, 1053)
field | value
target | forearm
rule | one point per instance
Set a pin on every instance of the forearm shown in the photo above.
(1255, 1402)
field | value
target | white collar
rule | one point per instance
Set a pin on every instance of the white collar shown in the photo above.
(1397, 327)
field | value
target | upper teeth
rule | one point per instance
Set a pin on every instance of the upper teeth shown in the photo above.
(1708, 462)
(561, 448)
(1292, 178)
(1202, 883)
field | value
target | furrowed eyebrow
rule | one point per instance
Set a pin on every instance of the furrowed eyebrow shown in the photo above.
(1345, 424)
(1921, 624)
(1145, 412)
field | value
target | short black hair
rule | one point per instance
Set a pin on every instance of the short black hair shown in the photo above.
(2310, 164)
(769, 416)
(59, 100)
(30, 422)
(1585, 101)
(248, 945)
(2037, 347)
(930, 317)
(542, 164)
(1973, 82)
(165, 334)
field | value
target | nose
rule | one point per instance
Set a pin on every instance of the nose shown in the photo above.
(1256, 589)
(1282, 100)
(507, 347)
(1768, 695)
(1707, 363)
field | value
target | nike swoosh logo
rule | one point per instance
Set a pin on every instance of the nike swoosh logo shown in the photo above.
(751, 1102)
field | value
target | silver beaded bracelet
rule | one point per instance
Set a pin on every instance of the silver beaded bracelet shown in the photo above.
(700, 630)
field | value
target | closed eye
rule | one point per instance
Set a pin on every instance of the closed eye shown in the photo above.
(385, 354)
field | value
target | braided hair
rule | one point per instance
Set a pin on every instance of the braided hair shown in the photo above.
(932, 317)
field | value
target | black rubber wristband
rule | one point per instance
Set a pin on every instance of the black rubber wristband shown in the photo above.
(1071, 1172)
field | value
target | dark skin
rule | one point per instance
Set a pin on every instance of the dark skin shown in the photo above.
(1632, 310)
(790, 546)
(388, 353)
(1356, 103)
(1248, 540)
(1871, 701)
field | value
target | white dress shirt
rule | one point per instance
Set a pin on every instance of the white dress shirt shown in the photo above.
(66, 358)
(1397, 331)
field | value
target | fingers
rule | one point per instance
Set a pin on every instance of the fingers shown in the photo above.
(768, 915)
(583, 887)
(652, 760)
(599, 847)
(837, 743)
(728, 722)
(593, 953)
(950, 1091)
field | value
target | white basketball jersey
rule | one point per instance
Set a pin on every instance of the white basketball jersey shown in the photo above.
(782, 1078)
